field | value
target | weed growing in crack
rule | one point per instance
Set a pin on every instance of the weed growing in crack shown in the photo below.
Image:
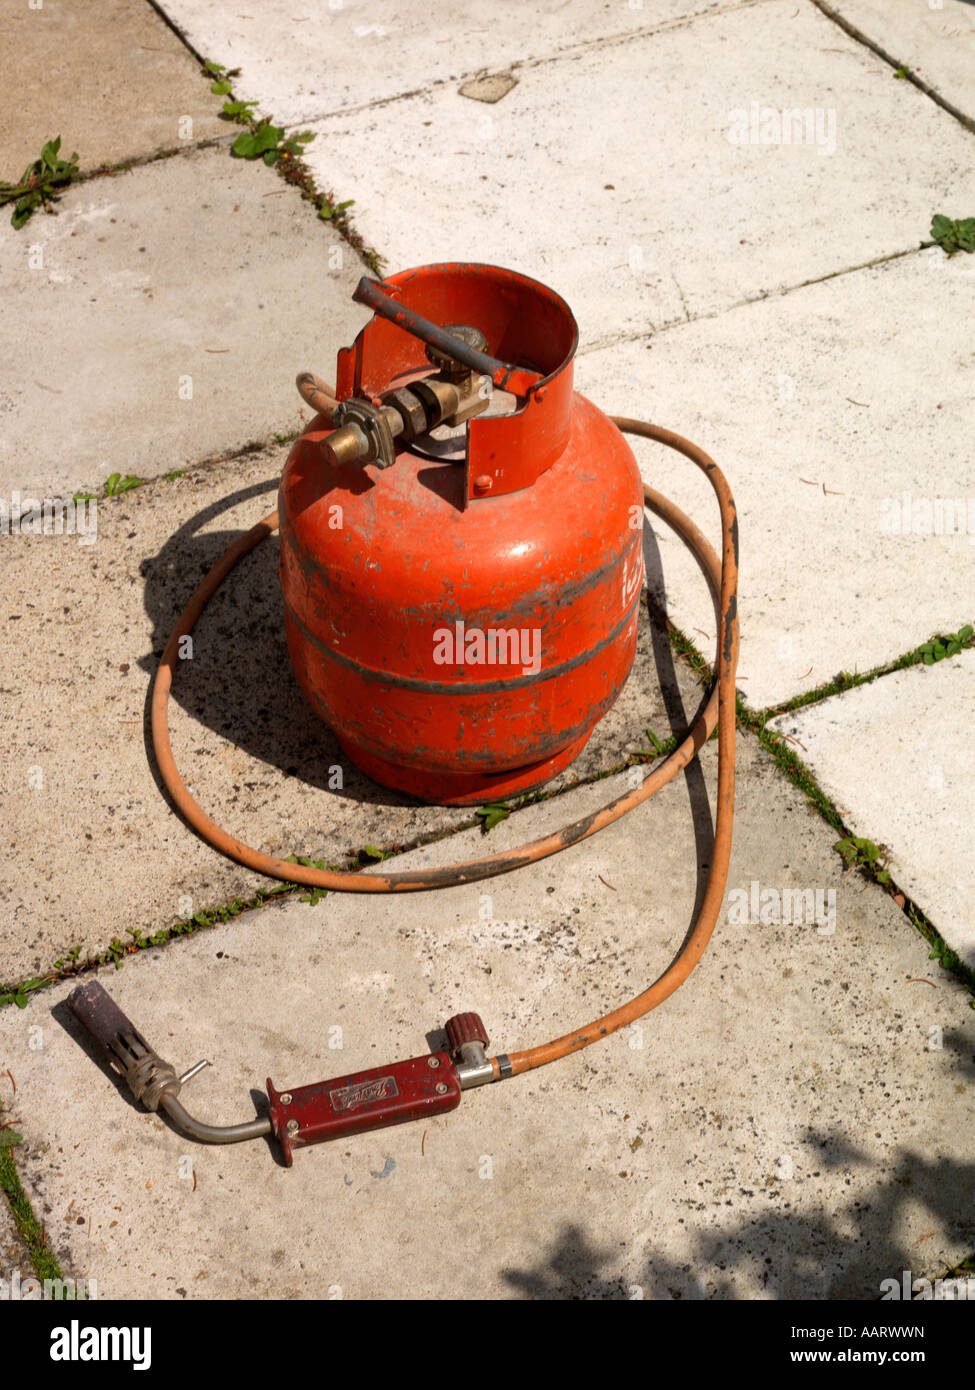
(42, 184)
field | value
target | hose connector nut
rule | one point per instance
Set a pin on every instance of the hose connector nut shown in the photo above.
(464, 1029)
(363, 434)
(466, 1040)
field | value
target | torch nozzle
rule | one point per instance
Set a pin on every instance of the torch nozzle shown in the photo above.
(151, 1080)
(148, 1076)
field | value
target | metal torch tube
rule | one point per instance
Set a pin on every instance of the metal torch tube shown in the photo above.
(213, 1134)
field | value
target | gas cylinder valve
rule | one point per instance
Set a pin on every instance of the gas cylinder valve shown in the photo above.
(366, 431)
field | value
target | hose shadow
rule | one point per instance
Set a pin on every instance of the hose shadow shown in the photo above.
(677, 716)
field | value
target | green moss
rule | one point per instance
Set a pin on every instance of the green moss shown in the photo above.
(31, 1231)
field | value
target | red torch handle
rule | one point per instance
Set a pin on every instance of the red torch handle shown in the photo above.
(364, 1100)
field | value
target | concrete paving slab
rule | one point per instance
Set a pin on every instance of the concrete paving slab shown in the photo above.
(114, 82)
(93, 847)
(160, 318)
(352, 53)
(897, 758)
(784, 1127)
(650, 179)
(841, 415)
(936, 41)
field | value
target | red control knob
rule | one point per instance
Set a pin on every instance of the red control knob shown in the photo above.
(462, 1029)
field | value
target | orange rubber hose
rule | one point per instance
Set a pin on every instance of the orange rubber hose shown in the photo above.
(720, 709)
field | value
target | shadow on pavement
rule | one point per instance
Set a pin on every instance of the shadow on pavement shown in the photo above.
(818, 1255)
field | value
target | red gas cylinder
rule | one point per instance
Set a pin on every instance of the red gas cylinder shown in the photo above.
(461, 599)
